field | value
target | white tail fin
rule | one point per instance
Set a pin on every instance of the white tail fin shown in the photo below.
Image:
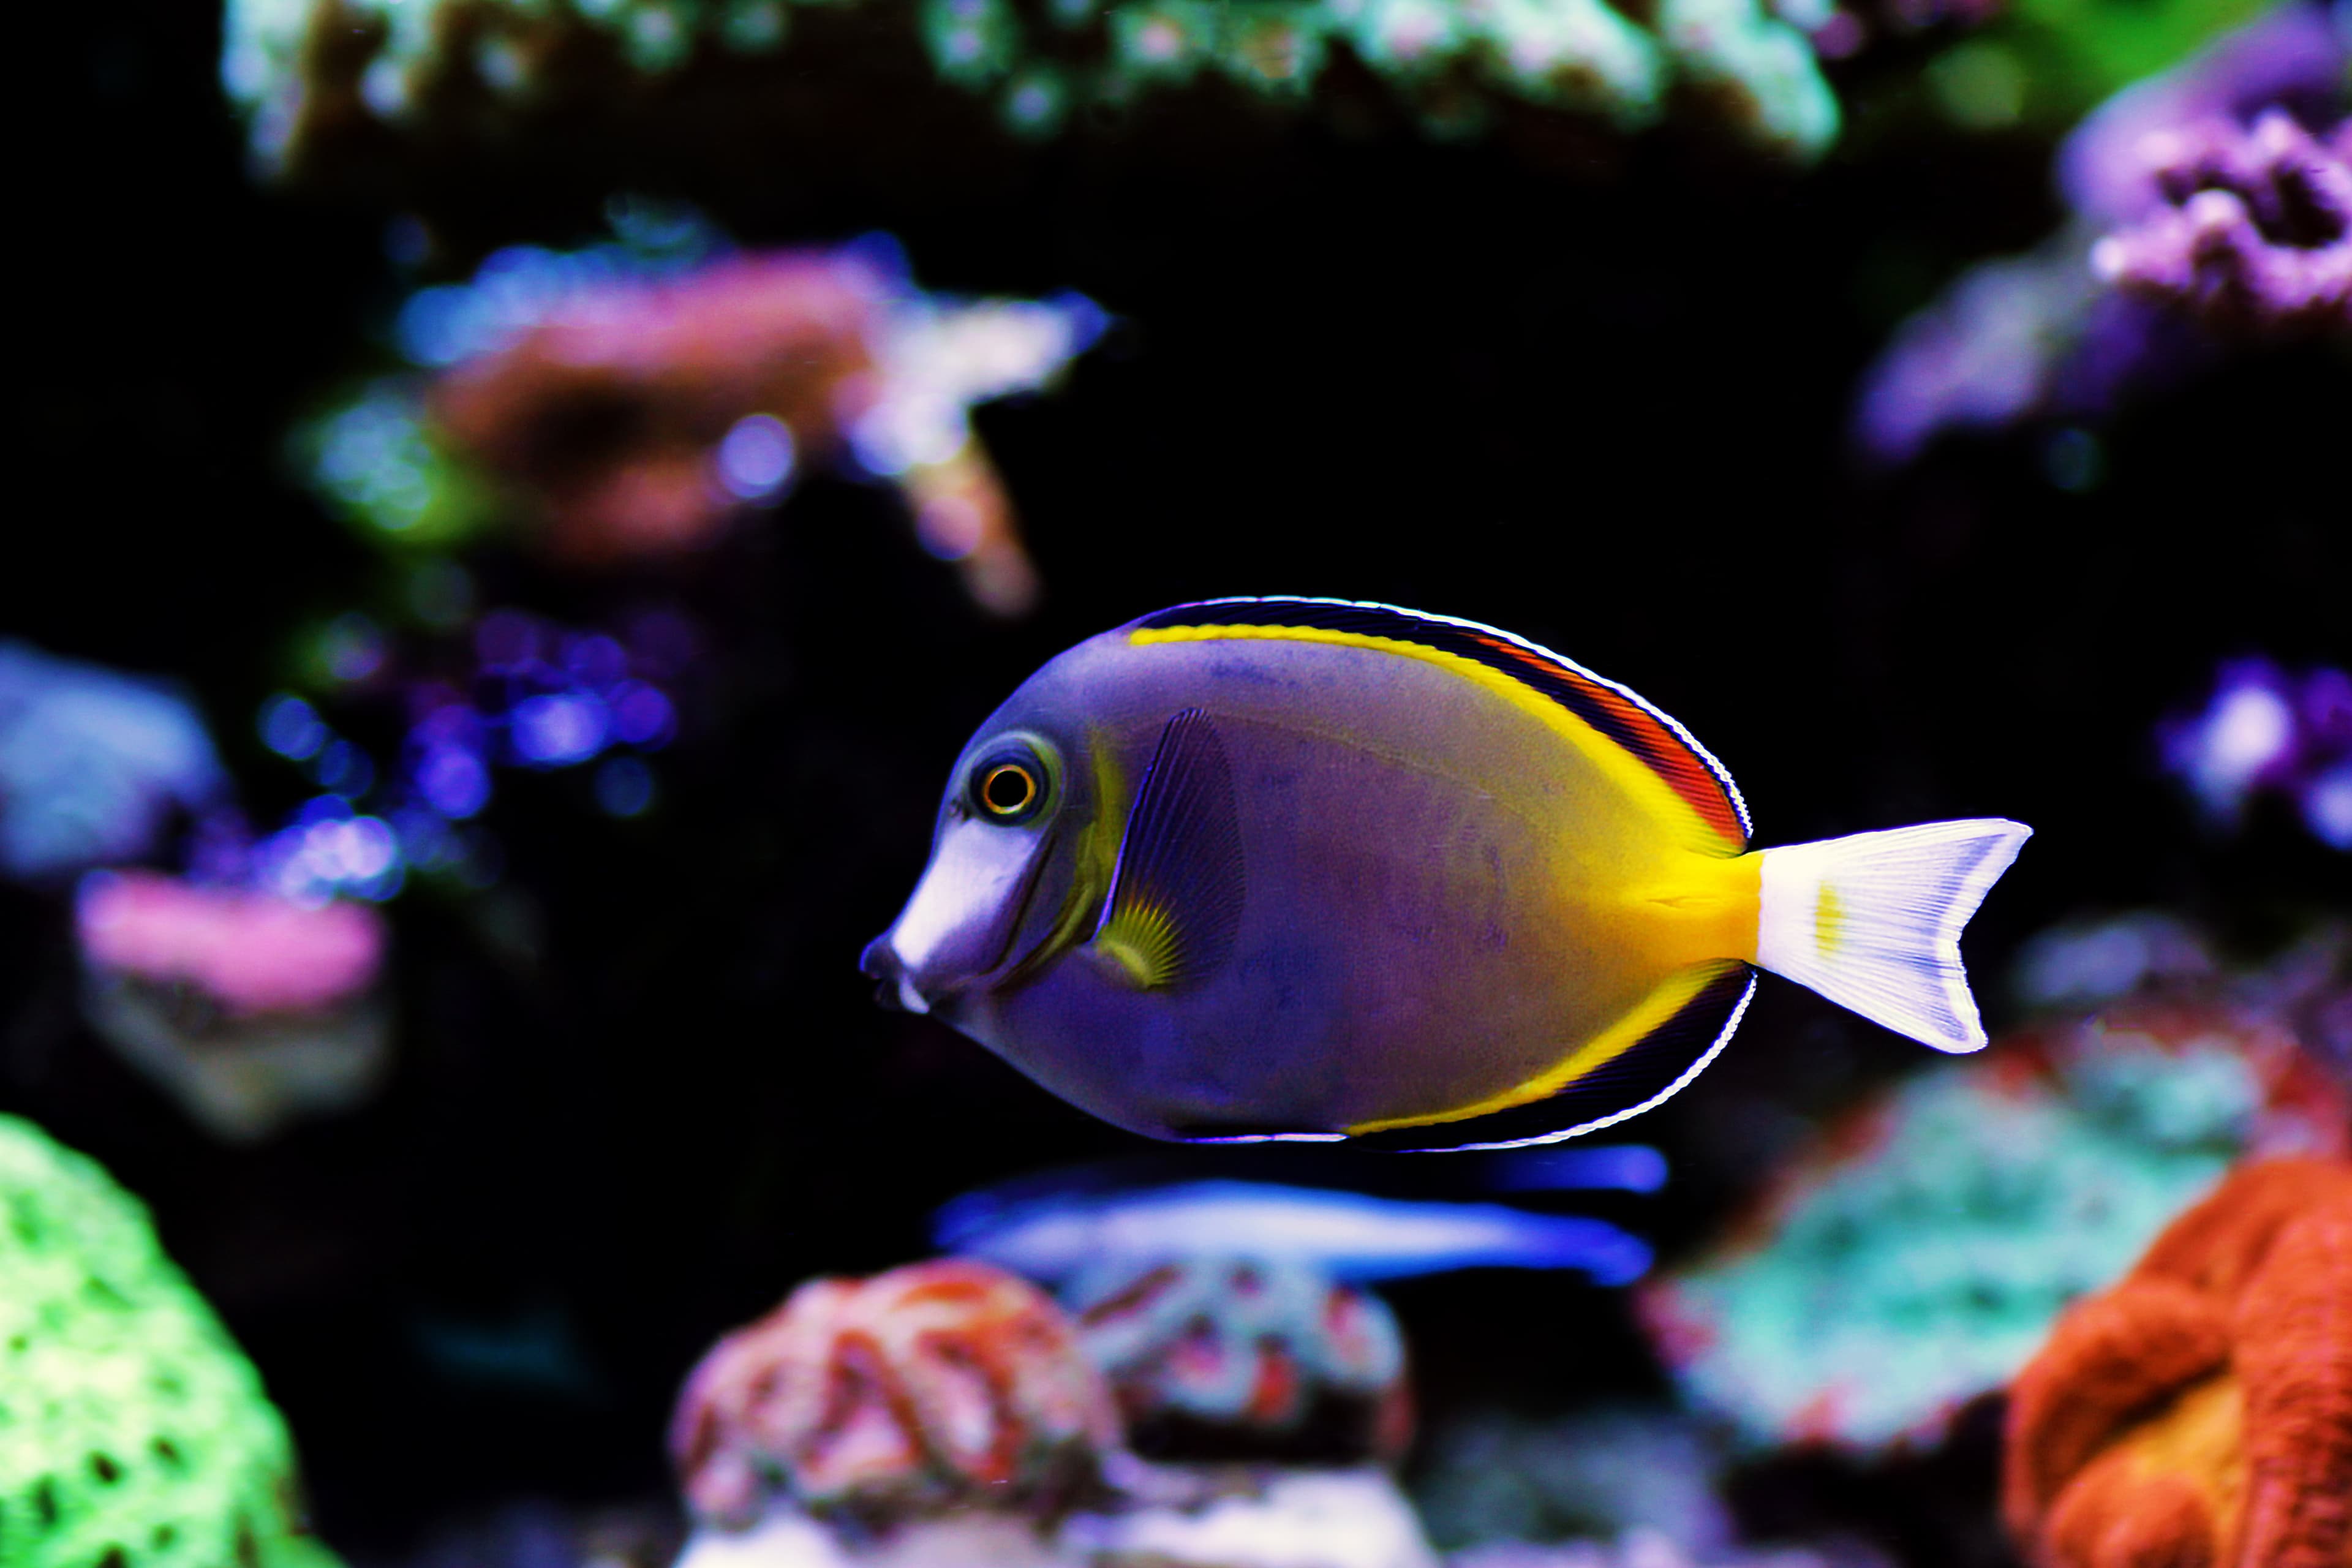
(1872, 922)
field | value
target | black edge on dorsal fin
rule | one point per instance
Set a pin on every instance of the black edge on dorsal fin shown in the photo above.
(1621, 714)
(1643, 1075)
(1177, 890)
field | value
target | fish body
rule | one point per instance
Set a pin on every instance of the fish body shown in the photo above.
(1351, 1236)
(1303, 868)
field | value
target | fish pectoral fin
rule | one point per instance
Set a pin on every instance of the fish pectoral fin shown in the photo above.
(1175, 904)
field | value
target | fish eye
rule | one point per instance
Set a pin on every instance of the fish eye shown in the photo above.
(1008, 786)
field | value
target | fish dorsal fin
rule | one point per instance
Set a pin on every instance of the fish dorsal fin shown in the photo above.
(1644, 733)
(1176, 891)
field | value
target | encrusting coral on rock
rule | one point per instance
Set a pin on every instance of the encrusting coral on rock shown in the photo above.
(332, 87)
(248, 1008)
(2201, 1410)
(618, 407)
(1915, 1258)
(133, 1433)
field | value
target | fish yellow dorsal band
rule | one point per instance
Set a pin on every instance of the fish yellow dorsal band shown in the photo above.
(1622, 769)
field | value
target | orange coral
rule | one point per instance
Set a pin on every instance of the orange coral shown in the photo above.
(2200, 1411)
(919, 1392)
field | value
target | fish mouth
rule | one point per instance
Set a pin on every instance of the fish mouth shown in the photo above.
(956, 933)
(896, 989)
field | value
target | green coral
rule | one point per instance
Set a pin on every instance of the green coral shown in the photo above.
(377, 462)
(1910, 1278)
(133, 1434)
(1038, 59)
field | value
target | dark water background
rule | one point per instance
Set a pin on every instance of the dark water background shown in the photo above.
(642, 1087)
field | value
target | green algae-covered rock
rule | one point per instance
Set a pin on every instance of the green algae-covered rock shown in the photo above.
(133, 1433)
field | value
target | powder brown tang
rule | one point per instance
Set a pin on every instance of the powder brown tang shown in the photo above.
(1307, 868)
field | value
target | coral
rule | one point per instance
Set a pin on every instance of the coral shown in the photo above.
(329, 83)
(2201, 1410)
(133, 1434)
(2257, 235)
(621, 403)
(1244, 1357)
(2264, 731)
(931, 1389)
(1918, 1255)
(93, 766)
(245, 953)
(248, 1008)
(2048, 335)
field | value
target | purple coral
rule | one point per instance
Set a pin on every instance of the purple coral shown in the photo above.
(2265, 731)
(2256, 230)
(2206, 205)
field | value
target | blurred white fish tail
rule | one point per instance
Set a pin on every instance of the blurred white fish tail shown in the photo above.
(1873, 921)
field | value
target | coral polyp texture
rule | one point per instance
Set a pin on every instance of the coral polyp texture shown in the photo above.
(2207, 204)
(1915, 1257)
(2200, 1411)
(1246, 1358)
(331, 85)
(247, 1007)
(133, 1433)
(617, 405)
(932, 1389)
(2256, 230)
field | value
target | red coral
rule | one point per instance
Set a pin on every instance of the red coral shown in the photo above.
(919, 1392)
(2200, 1411)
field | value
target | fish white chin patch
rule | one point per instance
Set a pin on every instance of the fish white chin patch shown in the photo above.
(961, 918)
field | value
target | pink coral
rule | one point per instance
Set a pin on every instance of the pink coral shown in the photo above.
(2257, 229)
(913, 1393)
(249, 953)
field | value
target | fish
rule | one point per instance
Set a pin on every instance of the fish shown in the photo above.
(1355, 1238)
(1304, 870)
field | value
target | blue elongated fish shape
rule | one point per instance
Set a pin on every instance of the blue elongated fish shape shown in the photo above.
(1349, 1236)
(1305, 868)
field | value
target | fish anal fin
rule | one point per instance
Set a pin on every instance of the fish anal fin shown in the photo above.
(1650, 1055)
(1176, 891)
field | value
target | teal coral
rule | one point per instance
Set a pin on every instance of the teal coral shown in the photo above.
(133, 1434)
(1918, 1258)
(299, 67)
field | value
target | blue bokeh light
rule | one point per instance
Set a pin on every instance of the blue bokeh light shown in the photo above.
(559, 729)
(624, 786)
(755, 459)
(292, 728)
(641, 715)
